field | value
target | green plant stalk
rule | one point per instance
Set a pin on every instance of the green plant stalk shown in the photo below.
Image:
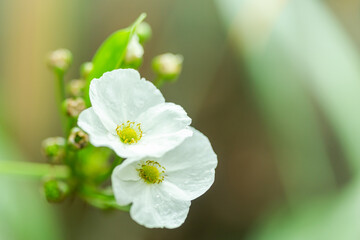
(29, 169)
(60, 97)
(60, 85)
(102, 199)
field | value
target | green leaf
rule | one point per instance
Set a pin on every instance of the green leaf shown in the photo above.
(111, 53)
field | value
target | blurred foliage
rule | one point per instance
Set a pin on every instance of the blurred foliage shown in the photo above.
(303, 64)
(332, 217)
(24, 212)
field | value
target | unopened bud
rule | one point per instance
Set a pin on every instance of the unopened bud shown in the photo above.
(76, 87)
(168, 65)
(94, 167)
(78, 138)
(134, 53)
(143, 30)
(74, 106)
(86, 69)
(60, 59)
(54, 149)
(55, 190)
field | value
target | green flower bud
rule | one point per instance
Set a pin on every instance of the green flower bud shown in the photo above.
(55, 190)
(86, 69)
(93, 164)
(54, 149)
(74, 106)
(60, 60)
(167, 66)
(134, 54)
(76, 87)
(143, 30)
(78, 138)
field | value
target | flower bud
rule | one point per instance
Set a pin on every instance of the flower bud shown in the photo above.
(60, 59)
(76, 87)
(93, 167)
(55, 190)
(78, 138)
(134, 53)
(54, 149)
(86, 69)
(168, 65)
(74, 106)
(143, 30)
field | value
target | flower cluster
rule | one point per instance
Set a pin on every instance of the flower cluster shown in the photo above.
(168, 163)
(118, 126)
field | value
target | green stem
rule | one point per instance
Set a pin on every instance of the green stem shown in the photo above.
(60, 85)
(61, 95)
(137, 22)
(33, 169)
(101, 198)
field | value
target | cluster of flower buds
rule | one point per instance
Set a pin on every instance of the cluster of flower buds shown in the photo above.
(59, 150)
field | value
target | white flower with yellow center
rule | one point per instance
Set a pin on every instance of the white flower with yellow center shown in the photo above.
(160, 189)
(130, 116)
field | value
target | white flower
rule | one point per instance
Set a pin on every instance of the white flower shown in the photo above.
(134, 51)
(129, 115)
(160, 189)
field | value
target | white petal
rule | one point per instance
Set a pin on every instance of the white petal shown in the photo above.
(164, 127)
(98, 134)
(120, 95)
(157, 208)
(154, 205)
(191, 166)
(126, 183)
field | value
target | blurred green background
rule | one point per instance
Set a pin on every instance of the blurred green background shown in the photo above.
(274, 84)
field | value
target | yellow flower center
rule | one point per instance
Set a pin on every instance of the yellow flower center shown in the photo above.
(151, 172)
(129, 132)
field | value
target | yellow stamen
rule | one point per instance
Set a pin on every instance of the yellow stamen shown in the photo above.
(151, 172)
(129, 132)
